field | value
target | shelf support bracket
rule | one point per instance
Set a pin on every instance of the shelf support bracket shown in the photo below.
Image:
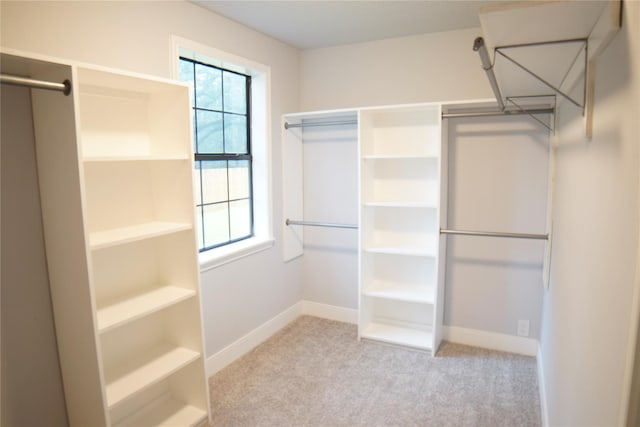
(499, 51)
(524, 111)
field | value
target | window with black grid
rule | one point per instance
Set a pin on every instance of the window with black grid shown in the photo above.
(223, 162)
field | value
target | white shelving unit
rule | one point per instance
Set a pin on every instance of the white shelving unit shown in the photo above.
(115, 170)
(400, 181)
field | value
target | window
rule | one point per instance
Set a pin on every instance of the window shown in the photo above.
(222, 147)
(247, 218)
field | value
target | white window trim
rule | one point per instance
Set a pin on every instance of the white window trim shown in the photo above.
(260, 148)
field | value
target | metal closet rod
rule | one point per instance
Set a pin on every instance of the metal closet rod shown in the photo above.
(288, 125)
(320, 224)
(530, 111)
(64, 87)
(495, 234)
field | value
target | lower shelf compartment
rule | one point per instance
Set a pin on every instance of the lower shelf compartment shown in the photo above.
(166, 412)
(145, 370)
(136, 306)
(399, 335)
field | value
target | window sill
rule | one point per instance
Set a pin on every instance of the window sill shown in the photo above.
(216, 257)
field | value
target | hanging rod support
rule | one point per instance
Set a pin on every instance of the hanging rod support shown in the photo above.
(540, 79)
(498, 113)
(320, 224)
(494, 234)
(524, 111)
(480, 47)
(288, 125)
(64, 87)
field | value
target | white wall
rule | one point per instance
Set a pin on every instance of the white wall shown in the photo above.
(498, 179)
(429, 67)
(588, 316)
(239, 296)
(330, 194)
(30, 367)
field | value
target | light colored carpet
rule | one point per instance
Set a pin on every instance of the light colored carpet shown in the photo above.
(314, 372)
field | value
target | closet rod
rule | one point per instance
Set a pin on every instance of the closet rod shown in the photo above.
(64, 87)
(494, 234)
(498, 113)
(320, 224)
(288, 125)
(487, 66)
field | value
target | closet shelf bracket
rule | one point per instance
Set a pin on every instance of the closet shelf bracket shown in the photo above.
(556, 90)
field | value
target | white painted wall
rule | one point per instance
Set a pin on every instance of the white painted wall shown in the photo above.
(30, 366)
(237, 297)
(429, 67)
(498, 178)
(587, 318)
(330, 194)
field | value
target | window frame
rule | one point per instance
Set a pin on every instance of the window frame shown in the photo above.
(261, 147)
(219, 157)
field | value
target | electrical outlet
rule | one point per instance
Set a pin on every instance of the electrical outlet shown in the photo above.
(523, 328)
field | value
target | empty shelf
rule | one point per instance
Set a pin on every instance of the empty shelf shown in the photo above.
(410, 337)
(403, 250)
(137, 373)
(166, 412)
(117, 236)
(139, 305)
(399, 156)
(141, 158)
(419, 293)
(401, 204)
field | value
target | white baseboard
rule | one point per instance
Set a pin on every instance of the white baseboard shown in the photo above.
(251, 340)
(491, 340)
(331, 312)
(544, 415)
(260, 334)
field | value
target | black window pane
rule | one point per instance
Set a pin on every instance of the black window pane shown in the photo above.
(186, 72)
(209, 137)
(208, 87)
(223, 195)
(235, 93)
(235, 134)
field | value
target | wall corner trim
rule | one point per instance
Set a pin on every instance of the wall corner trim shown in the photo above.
(249, 341)
(542, 389)
(491, 340)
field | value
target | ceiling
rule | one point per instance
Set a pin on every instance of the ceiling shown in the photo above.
(310, 24)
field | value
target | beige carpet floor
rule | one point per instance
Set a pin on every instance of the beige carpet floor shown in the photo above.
(314, 372)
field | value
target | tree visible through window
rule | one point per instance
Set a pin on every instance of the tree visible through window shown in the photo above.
(223, 162)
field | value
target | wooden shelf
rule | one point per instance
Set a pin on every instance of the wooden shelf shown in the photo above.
(391, 334)
(399, 157)
(399, 204)
(139, 305)
(149, 158)
(400, 177)
(403, 250)
(107, 238)
(418, 293)
(136, 373)
(166, 412)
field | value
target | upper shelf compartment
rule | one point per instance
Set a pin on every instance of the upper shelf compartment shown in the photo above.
(125, 117)
(540, 51)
